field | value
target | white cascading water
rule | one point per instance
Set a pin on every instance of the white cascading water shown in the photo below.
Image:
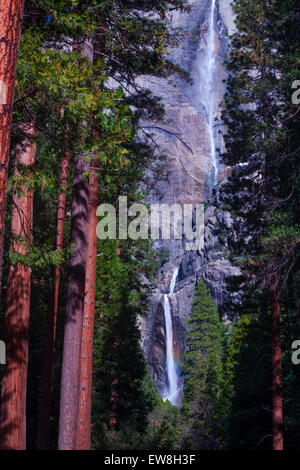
(211, 68)
(206, 65)
(172, 386)
(207, 72)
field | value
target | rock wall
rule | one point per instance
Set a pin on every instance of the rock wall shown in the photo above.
(187, 178)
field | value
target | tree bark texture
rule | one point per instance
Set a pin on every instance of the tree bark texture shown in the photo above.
(13, 393)
(11, 12)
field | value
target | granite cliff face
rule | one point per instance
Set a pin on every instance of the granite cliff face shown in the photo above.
(186, 138)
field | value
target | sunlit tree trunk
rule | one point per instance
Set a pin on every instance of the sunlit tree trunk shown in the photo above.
(13, 393)
(48, 356)
(74, 310)
(86, 366)
(75, 300)
(10, 21)
(276, 367)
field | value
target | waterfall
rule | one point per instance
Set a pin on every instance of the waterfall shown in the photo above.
(211, 69)
(172, 375)
(193, 114)
(207, 67)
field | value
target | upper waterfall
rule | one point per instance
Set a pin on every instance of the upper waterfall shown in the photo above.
(207, 68)
(211, 69)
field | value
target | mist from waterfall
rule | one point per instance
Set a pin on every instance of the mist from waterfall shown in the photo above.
(172, 388)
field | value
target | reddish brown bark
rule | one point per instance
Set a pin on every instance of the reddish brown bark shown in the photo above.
(13, 396)
(85, 381)
(48, 356)
(75, 302)
(10, 21)
(276, 367)
(74, 311)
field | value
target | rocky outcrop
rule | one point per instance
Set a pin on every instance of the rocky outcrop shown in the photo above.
(213, 264)
(188, 178)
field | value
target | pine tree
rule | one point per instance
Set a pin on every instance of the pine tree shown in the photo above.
(136, 38)
(129, 24)
(262, 137)
(50, 333)
(248, 376)
(119, 367)
(83, 434)
(203, 367)
(75, 296)
(13, 391)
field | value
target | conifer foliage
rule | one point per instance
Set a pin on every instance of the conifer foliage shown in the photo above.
(203, 368)
(262, 144)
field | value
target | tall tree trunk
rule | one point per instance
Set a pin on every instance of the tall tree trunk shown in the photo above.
(11, 12)
(75, 301)
(85, 382)
(48, 356)
(13, 394)
(276, 367)
(74, 311)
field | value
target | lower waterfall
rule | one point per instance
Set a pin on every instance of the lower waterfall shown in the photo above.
(172, 387)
